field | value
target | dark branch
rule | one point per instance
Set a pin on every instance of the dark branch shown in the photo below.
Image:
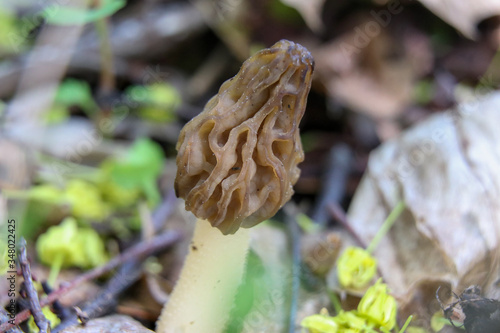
(32, 295)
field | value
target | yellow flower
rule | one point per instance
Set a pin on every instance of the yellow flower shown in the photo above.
(378, 306)
(320, 323)
(344, 322)
(86, 201)
(351, 322)
(355, 268)
(94, 253)
(69, 245)
(58, 241)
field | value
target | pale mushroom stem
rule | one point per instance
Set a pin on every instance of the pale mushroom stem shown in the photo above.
(203, 302)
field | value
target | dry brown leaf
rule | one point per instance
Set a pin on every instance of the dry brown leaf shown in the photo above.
(446, 170)
(372, 72)
(464, 15)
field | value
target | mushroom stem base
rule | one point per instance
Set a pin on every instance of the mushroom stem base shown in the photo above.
(204, 295)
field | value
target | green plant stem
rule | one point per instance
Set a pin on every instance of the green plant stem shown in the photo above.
(386, 226)
(107, 81)
(337, 307)
(406, 324)
(55, 268)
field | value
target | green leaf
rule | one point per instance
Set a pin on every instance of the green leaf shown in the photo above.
(31, 215)
(306, 224)
(438, 321)
(139, 169)
(75, 92)
(284, 12)
(60, 15)
(56, 115)
(9, 32)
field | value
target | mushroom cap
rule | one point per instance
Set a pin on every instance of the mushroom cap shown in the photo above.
(237, 160)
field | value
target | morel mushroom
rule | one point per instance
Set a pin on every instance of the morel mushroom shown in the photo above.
(237, 163)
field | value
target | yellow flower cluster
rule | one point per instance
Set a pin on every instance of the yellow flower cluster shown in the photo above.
(86, 200)
(378, 306)
(376, 312)
(356, 268)
(70, 245)
(118, 184)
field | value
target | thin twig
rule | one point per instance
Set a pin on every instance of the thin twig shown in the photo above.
(32, 295)
(105, 301)
(4, 318)
(62, 312)
(339, 215)
(107, 80)
(138, 252)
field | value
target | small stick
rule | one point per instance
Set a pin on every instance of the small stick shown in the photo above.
(138, 251)
(82, 317)
(4, 318)
(127, 274)
(40, 320)
(338, 214)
